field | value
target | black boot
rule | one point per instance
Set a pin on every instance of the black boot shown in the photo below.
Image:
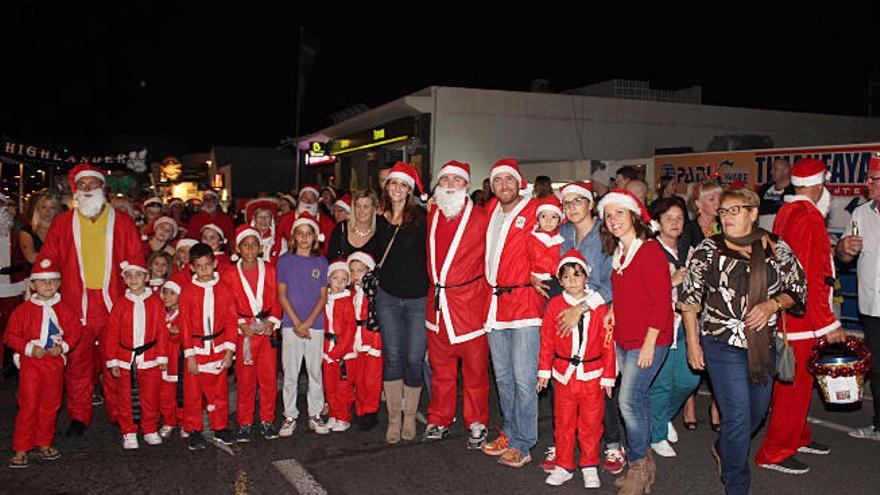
(76, 428)
(368, 421)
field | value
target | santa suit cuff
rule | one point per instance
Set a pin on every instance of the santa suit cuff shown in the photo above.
(830, 328)
(64, 347)
(189, 352)
(594, 300)
(542, 276)
(544, 374)
(607, 382)
(276, 323)
(115, 362)
(162, 360)
(29, 348)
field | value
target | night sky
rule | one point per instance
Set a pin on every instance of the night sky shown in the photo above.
(83, 76)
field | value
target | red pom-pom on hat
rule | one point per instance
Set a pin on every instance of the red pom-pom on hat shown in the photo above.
(45, 269)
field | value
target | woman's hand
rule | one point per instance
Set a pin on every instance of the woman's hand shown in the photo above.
(678, 276)
(760, 314)
(646, 354)
(302, 330)
(539, 286)
(247, 329)
(542, 384)
(568, 319)
(695, 356)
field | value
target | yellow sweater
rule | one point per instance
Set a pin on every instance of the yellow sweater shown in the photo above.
(93, 241)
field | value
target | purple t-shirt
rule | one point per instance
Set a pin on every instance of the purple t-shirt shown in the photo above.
(304, 278)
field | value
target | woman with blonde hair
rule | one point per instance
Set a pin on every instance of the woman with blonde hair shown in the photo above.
(358, 233)
(31, 237)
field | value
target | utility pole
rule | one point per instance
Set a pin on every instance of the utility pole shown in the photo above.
(299, 93)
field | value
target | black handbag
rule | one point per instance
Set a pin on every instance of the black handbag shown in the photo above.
(370, 286)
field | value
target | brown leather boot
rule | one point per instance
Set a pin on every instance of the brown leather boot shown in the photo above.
(394, 403)
(410, 408)
(637, 479)
(652, 469)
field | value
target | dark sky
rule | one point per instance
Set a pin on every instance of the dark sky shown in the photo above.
(79, 75)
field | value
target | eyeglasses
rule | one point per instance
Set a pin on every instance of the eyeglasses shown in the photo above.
(567, 205)
(733, 210)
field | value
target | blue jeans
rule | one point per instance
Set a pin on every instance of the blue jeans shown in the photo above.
(674, 384)
(743, 406)
(635, 406)
(404, 337)
(515, 362)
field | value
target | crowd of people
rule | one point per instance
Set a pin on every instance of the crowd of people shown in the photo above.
(615, 305)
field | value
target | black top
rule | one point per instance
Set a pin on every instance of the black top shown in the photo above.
(340, 248)
(771, 199)
(38, 243)
(692, 234)
(405, 273)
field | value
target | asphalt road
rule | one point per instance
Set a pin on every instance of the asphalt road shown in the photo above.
(358, 462)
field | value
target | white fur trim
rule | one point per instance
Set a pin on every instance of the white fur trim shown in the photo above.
(89, 173)
(216, 229)
(550, 208)
(309, 189)
(505, 169)
(363, 257)
(45, 275)
(342, 204)
(172, 286)
(338, 265)
(812, 180)
(544, 374)
(572, 259)
(126, 266)
(617, 198)
(29, 348)
(186, 243)
(454, 170)
(607, 382)
(245, 233)
(405, 178)
(576, 189)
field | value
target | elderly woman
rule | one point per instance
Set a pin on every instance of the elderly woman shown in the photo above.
(736, 284)
(358, 233)
(675, 381)
(31, 236)
(643, 317)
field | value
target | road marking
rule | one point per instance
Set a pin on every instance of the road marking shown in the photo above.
(297, 475)
(241, 480)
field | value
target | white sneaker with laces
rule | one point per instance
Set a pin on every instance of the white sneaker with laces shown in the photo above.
(869, 432)
(165, 431)
(318, 426)
(183, 433)
(591, 477)
(558, 476)
(153, 439)
(663, 449)
(287, 427)
(338, 426)
(130, 441)
(330, 423)
(671, 433)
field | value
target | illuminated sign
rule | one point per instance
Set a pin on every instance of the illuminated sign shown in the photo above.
(378, 134)
(317, 149)
(319, 160)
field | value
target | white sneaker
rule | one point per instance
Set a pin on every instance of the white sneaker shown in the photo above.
(165, 431)
(153, 439)
(130, 441)
(318, 426)
(330, 423)
(558, 476)
(183, 433)
(869, 432)
(591, 477)
(663, 449)
(287, 427)
(671, 433)
(338, 425)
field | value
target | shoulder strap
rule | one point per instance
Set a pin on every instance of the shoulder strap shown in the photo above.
(388, 248)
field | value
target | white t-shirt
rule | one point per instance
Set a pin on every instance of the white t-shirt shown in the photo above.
(867, 218)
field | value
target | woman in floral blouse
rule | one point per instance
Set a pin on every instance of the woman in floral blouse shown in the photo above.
(737, 284)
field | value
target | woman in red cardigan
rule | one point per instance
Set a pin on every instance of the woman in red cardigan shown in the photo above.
(642, 316)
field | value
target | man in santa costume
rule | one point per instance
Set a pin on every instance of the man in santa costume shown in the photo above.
(514, 315)
(13, 269)
(137, 354)
(801, 223)
(211, 213)
(40, 332)
(88, 244)
(261, 215)
(308, 202)
(456, 307)
(254, 285)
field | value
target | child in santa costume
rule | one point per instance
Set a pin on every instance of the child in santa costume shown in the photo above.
(213, 236)
(159, 264)
(339, 334)
(209, 328)
(544, 246)
(255, 287)
(181, 256)
(261, 214)
(171, 391)
(40, 332)
(137, 338)
(583, 365)
(366, 368)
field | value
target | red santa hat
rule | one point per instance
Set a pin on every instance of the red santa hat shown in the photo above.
(45, 269)
(312, 188)
(136, 265)
(874, 163)
(175, 201)
(245, 230)
(581, 188)
(185, 243)
(574, 256)
(170, 221)
(364, 258)
(338, 265)
(215, 228)
(408, 174)
(550, 204)
(176, 282)
(453, 167)
(332, 191)
(253, 205)
(84, 170)
(344, 202)
(809, 172)
(306, 218)
(211, 192)
(509, 166)
(154, 201)
(628, 200)
(290, 199)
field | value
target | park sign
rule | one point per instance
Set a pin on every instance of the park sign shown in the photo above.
(847, 164)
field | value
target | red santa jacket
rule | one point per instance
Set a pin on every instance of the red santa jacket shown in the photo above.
(29, 326)
(220, 219)
(172, 372)
(802, 226)
(64, 248)
(326, 224)
(339, 327)
(595, 351)
(544, 253)
(250, 303)
(208, 322)
(137, 321)
(456, 271)
(365, 341)
(514, 302)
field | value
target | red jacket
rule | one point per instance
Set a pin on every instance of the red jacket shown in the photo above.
(514, 302)
(801, 225)
(62, 246)
(125, 332)
(456, 263)
(365, 341)
(196, 321)
(544, 253)
(596, 350)
(220, 219)
(249, 304)
(340, 323)
(27, 327)
(173, 345)
(642, 297)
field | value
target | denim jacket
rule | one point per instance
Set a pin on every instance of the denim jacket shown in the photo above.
(591, 249)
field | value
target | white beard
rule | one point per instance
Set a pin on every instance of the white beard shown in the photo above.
(450, 200)
(311, 209)
(824, 203)
(90, 203)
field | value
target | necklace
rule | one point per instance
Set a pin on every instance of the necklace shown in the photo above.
(361, 233)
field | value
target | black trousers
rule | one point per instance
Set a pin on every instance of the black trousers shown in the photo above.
(872, 339)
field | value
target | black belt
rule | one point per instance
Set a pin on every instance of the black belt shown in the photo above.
(438, 288)
(205, 338)
(332, 337)
(507, 289)
(139, 349)
(576, 360)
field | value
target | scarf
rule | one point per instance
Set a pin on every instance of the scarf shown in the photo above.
(50, 331)
(757, 339)
(139, 321)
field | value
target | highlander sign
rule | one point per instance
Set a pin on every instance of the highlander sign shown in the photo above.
(12, 152)
(848, 165)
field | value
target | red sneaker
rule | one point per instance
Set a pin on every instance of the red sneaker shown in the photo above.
(498, 446)
(549, 462)
(615, 460)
